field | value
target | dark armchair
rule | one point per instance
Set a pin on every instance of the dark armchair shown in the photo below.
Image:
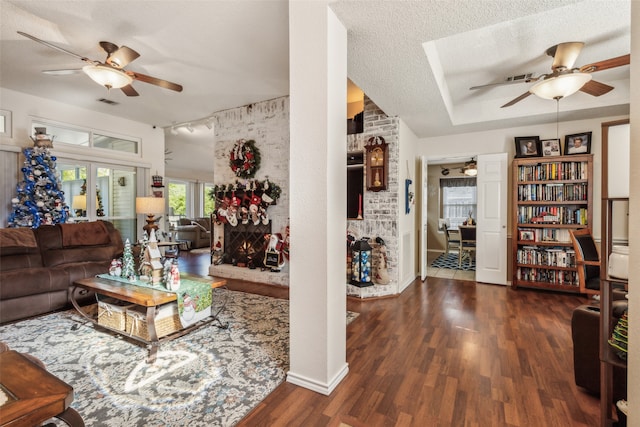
(587, 260)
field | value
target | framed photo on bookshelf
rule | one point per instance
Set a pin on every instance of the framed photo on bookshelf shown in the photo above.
(550, 147)
(528, 146)
(579, 143)
(526, 236)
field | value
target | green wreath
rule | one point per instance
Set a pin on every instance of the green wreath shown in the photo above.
(244, 158)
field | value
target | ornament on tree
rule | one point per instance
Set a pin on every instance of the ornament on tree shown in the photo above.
(128, 266)
(39, 197)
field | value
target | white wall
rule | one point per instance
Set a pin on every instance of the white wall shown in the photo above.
(26, 107)
(408, 228)
(502, 140)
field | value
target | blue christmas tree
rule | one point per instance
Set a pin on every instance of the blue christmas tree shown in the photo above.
(39, 199)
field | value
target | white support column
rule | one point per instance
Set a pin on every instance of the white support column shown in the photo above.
(318, 149)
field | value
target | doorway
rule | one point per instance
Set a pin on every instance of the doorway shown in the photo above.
(452, 200)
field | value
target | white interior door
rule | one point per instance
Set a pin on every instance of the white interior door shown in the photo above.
(491, 229)
(423, 218)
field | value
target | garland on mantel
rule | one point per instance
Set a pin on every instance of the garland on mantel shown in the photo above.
(244, 158)
(244, 202)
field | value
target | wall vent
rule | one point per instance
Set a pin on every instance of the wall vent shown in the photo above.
(107, 101)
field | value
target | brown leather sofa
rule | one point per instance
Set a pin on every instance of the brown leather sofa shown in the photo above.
(38, 265)
(197, 231)
(585, 334)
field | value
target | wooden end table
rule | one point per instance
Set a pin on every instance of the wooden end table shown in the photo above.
(34, 394)
(148, 298)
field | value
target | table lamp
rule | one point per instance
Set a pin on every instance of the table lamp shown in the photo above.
(79, 203)
(150, 206)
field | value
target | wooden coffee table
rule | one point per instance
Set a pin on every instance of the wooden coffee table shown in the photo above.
(145, 297)
(34, 394)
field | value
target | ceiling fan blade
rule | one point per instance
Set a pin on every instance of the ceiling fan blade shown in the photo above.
(121, 57)
(155, 81)
(522, 78)
(606, 64)
(595, 88)
(63, 72)
(565, 54)
(516, 100)
(52, 46)
(129, 90)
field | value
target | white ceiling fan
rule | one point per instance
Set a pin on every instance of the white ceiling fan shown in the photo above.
(110, 73)
(564, 79)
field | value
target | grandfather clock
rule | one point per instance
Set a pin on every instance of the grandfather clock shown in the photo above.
(377, 163)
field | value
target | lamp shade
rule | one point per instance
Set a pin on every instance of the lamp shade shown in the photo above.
(149, 205)
(107, 76)
(560, 86)
(79, 202)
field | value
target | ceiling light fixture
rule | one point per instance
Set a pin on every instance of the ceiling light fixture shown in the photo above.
(107, 76)
(560, 86)
(470, 168)
(190, 128)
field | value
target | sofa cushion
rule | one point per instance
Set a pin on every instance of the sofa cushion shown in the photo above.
(84, 234)
(17, 240)
(54, 252)
(32, 281)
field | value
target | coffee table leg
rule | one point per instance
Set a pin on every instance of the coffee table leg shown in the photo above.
(153, 336)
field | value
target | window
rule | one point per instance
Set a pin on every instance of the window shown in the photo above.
(100, 192)
(209, 203)
(66, 134)
(178, 198)
(458, 196)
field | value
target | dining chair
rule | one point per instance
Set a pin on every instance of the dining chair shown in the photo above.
(453, 239)
(467, 243)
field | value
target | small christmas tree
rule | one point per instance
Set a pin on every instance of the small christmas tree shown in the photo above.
(39, 199)
(128, 267)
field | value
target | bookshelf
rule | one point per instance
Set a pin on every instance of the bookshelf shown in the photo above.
(551, 195)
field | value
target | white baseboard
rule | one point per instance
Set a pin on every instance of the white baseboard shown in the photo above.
(317, 386)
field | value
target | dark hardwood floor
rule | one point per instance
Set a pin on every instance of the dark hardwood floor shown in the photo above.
(443, 353)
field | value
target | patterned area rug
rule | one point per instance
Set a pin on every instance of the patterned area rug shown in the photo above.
(450, 261)
(210, 377)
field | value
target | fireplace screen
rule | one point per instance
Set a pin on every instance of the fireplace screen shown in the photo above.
(245, 244)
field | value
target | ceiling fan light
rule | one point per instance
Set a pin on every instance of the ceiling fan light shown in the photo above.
(107, 76)
(560, 86)
(471, 170)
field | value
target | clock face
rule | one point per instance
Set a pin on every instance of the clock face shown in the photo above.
(377, 157)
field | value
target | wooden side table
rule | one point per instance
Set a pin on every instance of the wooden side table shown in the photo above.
(33, 394)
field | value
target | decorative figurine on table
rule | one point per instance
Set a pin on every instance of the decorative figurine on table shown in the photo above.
(115, 269)
(173, 278)
(153, 257)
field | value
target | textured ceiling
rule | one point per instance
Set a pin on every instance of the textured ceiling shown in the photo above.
(415, 59)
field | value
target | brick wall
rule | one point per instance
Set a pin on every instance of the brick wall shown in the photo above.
(379, 209)
(267, 123)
